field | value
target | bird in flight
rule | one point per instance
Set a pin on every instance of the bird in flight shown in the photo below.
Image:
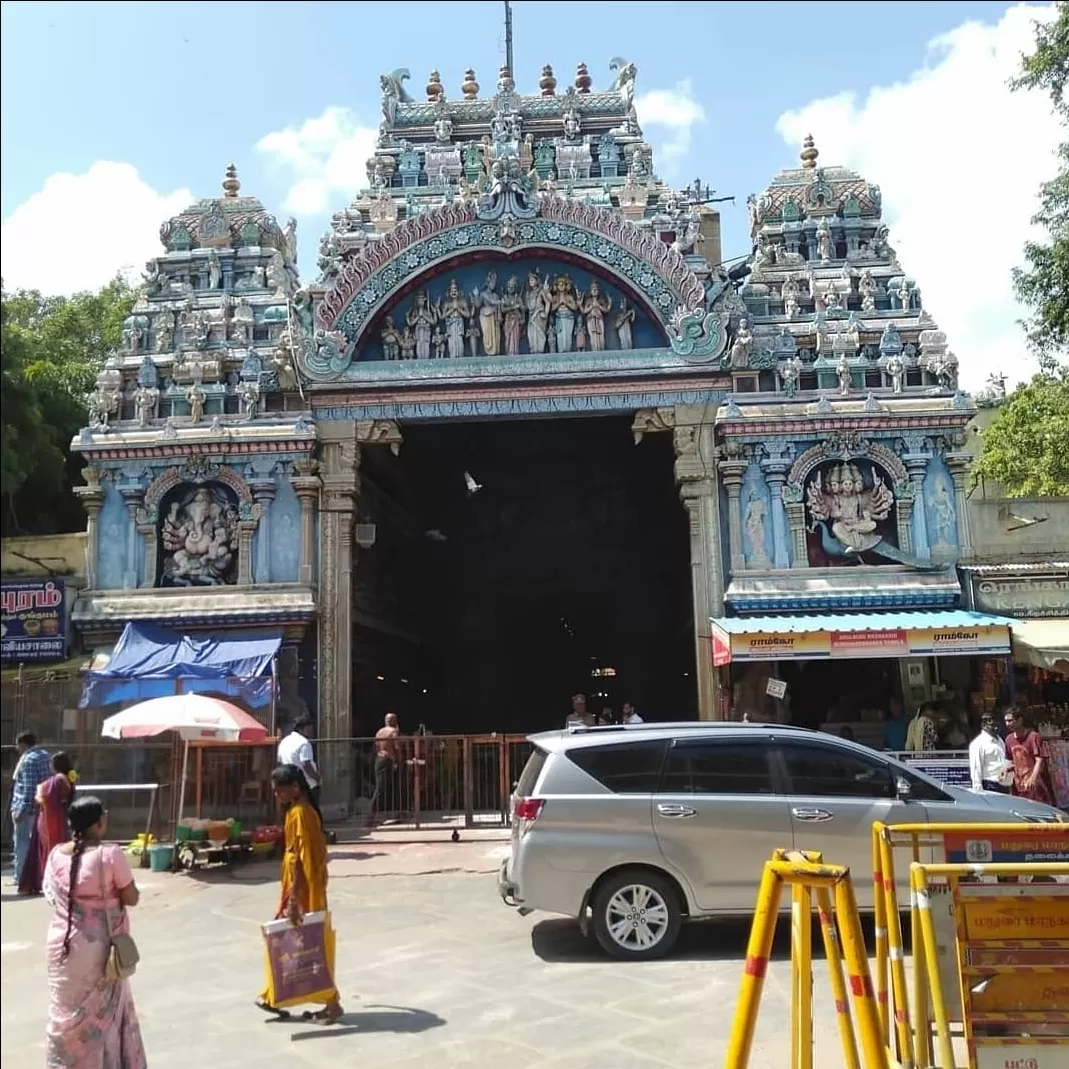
(472, 486)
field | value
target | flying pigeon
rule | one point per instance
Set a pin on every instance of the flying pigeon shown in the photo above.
(471, 484)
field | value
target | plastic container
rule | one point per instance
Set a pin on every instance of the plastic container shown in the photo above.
(183, 833)
(235, 830)
(161, 857)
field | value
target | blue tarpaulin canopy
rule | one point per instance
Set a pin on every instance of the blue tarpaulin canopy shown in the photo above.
(152, 662)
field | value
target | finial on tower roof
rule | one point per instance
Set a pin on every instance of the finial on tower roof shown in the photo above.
(809, 153)
(548, 82)
(469, 87)
(435, 89)
(583, 81)
(231, 185)
(505, 84)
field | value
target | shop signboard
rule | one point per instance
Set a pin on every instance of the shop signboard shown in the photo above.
(1031, 596)
(33, 622)
(986, 640)
(1030, 844)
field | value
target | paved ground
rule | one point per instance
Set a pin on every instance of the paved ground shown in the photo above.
(433, 970)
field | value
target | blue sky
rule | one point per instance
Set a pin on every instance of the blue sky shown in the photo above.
(176, 91)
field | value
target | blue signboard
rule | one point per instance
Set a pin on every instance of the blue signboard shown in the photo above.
(33, 620)
(949, 767)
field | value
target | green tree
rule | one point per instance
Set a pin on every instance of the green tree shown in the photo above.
(1043, 285)
(1026, 448)
(53, 348)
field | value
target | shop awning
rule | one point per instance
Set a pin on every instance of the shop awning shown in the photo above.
(152, 662)
(880, 634)
(1044, 643)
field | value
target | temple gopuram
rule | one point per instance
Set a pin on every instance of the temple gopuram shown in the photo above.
(514, 257)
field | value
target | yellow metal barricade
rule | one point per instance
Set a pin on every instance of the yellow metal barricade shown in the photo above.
(909, 1032)
(844, 944)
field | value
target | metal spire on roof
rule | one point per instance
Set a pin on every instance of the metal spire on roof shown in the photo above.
(508, 38)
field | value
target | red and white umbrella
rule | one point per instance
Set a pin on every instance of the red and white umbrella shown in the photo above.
(192, 717)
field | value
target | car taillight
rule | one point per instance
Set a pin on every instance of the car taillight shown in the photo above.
(528, 808)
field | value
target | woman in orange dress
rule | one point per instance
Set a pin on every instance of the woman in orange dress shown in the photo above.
(304, 875)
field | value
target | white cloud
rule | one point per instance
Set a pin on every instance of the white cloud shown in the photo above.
(327, 156)
(80, 230)
(675, 112)
(959, 158)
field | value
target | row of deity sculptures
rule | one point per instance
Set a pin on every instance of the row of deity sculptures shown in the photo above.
(549, 315)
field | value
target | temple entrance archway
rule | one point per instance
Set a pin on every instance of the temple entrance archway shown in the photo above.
(567, 569)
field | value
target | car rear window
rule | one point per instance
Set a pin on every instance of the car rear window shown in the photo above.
(525, 785)
(624, 768)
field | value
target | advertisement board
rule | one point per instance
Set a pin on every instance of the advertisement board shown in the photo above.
(33, 620)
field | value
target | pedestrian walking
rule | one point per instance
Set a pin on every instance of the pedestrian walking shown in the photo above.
(53, 798)
(32, 769)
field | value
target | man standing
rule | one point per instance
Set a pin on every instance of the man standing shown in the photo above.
(295, 749)
(33, 768)
(923, 734)
(628, 715)
(1024, 746)
(579, 715)
(987, 758)
(385, 764)
(895, 727)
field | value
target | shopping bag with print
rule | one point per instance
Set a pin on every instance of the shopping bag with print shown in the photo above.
(299, 960)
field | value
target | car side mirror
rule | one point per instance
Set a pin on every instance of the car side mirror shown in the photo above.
(903, 789)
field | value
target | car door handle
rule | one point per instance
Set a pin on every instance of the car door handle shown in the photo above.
(676, 811)
(812, 815)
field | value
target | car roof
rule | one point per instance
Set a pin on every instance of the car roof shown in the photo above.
(581, 735)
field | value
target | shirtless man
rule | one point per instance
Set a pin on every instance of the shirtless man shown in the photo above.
(385, 762)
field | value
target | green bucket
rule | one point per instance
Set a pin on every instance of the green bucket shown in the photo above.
(161, 857)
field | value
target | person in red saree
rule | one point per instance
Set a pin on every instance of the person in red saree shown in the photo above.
(1027, 754)
(51, 827)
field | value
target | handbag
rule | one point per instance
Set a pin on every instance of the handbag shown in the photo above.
(123, 955)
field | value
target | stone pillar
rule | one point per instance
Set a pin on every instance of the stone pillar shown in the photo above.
(339, 472)
(732, 473)
(695, 467)
(263, 493)
(133, 496)
(917, 466)
(306, 484)
(959, 463)
(92, 498)
(775, 469)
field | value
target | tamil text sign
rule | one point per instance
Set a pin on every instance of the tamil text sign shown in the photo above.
(33, 621)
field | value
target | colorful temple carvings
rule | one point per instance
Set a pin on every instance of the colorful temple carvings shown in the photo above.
(512, 256)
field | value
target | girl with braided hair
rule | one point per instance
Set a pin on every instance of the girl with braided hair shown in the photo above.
(92, 1023)
(304, 873)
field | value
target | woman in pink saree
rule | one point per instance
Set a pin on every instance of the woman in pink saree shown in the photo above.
(92, 1023)
(50, 829)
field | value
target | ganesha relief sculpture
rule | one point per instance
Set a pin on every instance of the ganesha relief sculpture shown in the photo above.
(199, 538)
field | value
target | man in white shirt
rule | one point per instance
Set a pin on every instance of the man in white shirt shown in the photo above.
(987, 758)
(628, 714)
(295, 749)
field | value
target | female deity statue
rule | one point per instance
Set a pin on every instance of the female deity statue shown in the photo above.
(595, 307)
(512, 306)
(565, 308)
(488, 302)
(624, 323)
(453, 312)
(538, 300)
(867, 289)
(421, 318)
(789, 293)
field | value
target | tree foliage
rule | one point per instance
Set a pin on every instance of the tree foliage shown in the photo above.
(53, 348)
(1026, 448)
(1043, 285)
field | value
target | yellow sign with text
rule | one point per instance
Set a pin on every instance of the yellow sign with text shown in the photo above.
(1021, 918)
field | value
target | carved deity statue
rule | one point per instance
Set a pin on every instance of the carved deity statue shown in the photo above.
(249, 394)
(145, 400)
(824, 246)
(842, 371)
(946, 523)
(196, 398)
(512, 307)
(438, 343)
(742, 345)
(391, 340)
(453, 311)
(572, 124)
(595, 306)
(624, 322)
(852, 511)
(565, 308)
(866, 287)
(896, 368)
(422, 318)
(408, 344)
(164, 331)
(538, 302)
(488, 303)
(755, 531)
(790, 296)
(215, 270)
(790, 374)
(199, 536)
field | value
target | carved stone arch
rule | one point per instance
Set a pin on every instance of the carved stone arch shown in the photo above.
(643, 265)
(197, 472)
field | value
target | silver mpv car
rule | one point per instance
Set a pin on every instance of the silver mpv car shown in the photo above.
(634, 829)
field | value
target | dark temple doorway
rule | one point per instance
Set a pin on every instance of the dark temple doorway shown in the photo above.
(567, 570)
